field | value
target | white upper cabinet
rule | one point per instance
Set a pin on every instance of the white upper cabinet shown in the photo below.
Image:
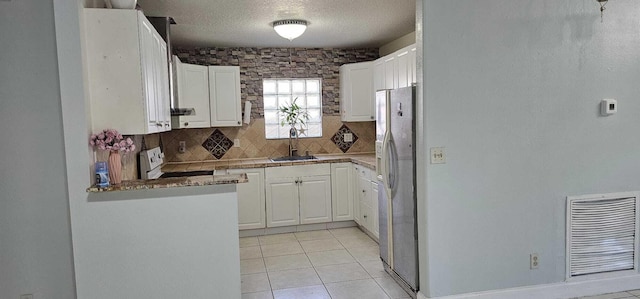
(357, 97)
(395, 70)
(224, 96)
(127, 72)
(193, 92)
(403, 68)
(378, 75)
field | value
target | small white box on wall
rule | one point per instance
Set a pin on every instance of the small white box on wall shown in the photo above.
(608, 107)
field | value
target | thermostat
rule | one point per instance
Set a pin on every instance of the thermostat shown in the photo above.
(608, 107)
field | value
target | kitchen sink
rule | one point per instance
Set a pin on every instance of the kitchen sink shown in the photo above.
(293, 158)
(186, 173)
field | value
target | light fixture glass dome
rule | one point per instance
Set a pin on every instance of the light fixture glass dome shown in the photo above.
(290, 29)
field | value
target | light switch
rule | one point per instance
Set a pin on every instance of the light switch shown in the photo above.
(438, 155)
(347, 137)
(608, 107)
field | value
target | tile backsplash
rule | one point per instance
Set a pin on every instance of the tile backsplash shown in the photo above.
(253, 144)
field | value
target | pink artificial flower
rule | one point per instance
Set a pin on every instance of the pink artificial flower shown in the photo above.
(101, 136)
(129, 141)
(133, 147)
(102, 147)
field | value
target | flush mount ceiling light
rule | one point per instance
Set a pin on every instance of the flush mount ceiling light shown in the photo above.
(290, 29)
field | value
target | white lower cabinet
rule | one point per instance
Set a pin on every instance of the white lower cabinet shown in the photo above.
(315, 199)
(366, 199)
(298, 194)
(342, 191)
(283, 205)
(251, 199)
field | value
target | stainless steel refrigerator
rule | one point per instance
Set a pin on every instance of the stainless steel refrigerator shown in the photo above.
(395, 159)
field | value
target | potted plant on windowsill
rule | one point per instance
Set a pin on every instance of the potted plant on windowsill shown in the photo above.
(293, 115)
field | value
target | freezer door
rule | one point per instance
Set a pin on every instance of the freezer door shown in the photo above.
(402, 171)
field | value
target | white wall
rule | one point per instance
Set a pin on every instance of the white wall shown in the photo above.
(35, 233)
(511, 89)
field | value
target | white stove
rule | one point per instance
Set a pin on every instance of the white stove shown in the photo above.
(151, 163)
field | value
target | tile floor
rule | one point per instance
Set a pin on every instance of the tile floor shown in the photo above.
(334, 264)
(339, 263)
(620, 295)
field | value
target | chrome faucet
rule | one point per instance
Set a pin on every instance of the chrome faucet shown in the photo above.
(293, 149)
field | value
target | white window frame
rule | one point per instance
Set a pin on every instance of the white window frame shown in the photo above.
(312, 127)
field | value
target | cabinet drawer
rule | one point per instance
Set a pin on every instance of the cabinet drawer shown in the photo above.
(297, 171)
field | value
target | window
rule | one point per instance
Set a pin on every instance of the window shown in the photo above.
(280, 92)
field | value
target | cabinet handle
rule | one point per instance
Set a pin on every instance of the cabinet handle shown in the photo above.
(365, 216)
(363, 191)
(238, 122)
(186, 124)
(158, 125)
(371, 117)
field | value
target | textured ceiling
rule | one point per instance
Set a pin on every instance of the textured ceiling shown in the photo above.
(247, 23)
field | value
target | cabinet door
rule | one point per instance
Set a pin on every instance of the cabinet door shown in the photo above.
(404, 68)
(224, 96)
(315, 199)
(161, 66)
(390, 72)
(282, 202)
(193, 92)
(149, 55)
(251, 199)
(412, 63)
(378, 75)
(341, 191)
(364, 196)
(356, 92)
(355, 192)
(375, 227)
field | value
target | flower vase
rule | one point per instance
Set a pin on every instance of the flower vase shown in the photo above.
(115, 167)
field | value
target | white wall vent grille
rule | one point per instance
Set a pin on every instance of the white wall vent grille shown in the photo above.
(602, 233)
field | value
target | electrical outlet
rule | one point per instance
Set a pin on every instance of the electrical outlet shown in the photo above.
(534, 261)
(438, 155)
(236, 142)
(26, 296)
(182, 147)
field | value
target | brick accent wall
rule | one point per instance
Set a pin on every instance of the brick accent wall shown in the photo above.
(267, 63)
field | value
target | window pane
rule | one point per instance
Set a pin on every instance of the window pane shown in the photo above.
(297, 86)
(314, 130)
(270, 102)
(284, 100)
(313, 101)
(314, 115)
(284, 86)
(271, 131)
(280, 93)
(313, 86)
(271, 117)
(284, 131)
(269, 86)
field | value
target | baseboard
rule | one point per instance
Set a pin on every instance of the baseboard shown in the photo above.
(556, 290)
(295, 228)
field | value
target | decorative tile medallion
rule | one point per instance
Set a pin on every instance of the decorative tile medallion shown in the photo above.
(217, 144)
(339, 138)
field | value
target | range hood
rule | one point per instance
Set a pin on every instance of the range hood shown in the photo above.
(163, 26)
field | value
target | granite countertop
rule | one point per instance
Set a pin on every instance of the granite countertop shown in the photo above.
(365, 159)
(202, 180)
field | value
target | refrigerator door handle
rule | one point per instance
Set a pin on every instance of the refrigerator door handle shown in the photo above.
(392, 168)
